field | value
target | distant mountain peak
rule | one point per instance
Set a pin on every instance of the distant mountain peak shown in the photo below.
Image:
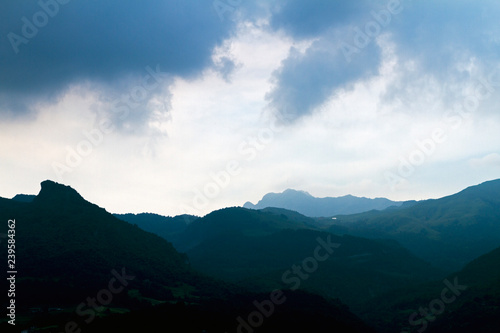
(306, 204)
(292, 191)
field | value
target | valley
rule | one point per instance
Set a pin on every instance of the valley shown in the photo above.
(244, 270)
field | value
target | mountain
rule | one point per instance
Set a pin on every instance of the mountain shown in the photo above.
(172, 228)
(164, 226)
(308, 205)
(68, 249)
(253, 312)
(79, 265)
(256, 248)
(24, 197)
(447, 232)
(467, 300)
(229, 221)
(478, 309)
(79, 268)
(64, 241)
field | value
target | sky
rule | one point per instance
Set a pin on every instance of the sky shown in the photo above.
(174, 107)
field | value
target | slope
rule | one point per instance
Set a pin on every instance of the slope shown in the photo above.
(447, 232)
(164, 226)
(71, 255)
(67, 249)
(467, 300)
(256, 248)
(235, 219)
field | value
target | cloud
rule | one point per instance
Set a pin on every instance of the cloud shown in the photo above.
(309, 19)
(225, 67)
(47, 47)
(446, 44)
(307, 79)
(489, 161)
(440, 35)
(335, 60)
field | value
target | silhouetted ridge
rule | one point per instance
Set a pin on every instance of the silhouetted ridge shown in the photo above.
(53, 193)
(71, 253)
(484, 190)
(448, 232)
(24, 197)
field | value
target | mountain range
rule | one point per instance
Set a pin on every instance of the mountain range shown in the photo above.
(465, 301)
(245, 247)
(448, 232)
(366, 272)
(308, 205)
(80, 269)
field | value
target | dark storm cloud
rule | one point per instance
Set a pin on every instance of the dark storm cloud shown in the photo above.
(305, 19)
(305, 81)
(438, 34)
(437, 37)
(47, 46)
(453, 42)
